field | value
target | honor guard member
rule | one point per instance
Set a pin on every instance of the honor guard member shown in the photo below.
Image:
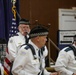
(18, 39)
(30, 60)
(66, 61)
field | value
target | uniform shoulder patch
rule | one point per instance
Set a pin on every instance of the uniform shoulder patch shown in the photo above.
(68, 49)
(27, 47)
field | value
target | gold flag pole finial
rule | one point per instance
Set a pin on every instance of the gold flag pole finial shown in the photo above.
(14, 8)
(13, 1)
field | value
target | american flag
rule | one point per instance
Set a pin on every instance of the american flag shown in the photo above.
(12, 31)
(7, 63)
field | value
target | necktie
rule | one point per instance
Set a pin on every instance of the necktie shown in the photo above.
(26, 40)
(40, 59)
(39, 53)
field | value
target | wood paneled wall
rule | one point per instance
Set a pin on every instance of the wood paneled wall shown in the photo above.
(45, 11)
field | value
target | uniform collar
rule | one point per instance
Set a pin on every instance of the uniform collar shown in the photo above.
(35, 47)
(21, 35)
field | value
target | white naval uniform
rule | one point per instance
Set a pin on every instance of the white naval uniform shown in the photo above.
(1, 69)
(66, 62)
(25, 64)
(14, 44)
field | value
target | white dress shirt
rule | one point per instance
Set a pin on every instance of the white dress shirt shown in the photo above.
(66, 62)
(25, 64)
(14, 45)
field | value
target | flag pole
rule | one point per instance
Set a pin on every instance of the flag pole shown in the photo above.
(14, 9)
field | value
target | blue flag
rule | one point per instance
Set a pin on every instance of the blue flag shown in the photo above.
(11, 18)
(11, 22)
(2, 20)
(8, 22)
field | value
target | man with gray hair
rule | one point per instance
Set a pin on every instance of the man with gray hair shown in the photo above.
(18, 39)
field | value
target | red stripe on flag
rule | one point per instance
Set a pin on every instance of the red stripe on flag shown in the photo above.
(5, 69)
(7, 61)
(8, 72)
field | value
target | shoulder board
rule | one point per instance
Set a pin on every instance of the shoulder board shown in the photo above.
(27, 47)
(68, 49)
